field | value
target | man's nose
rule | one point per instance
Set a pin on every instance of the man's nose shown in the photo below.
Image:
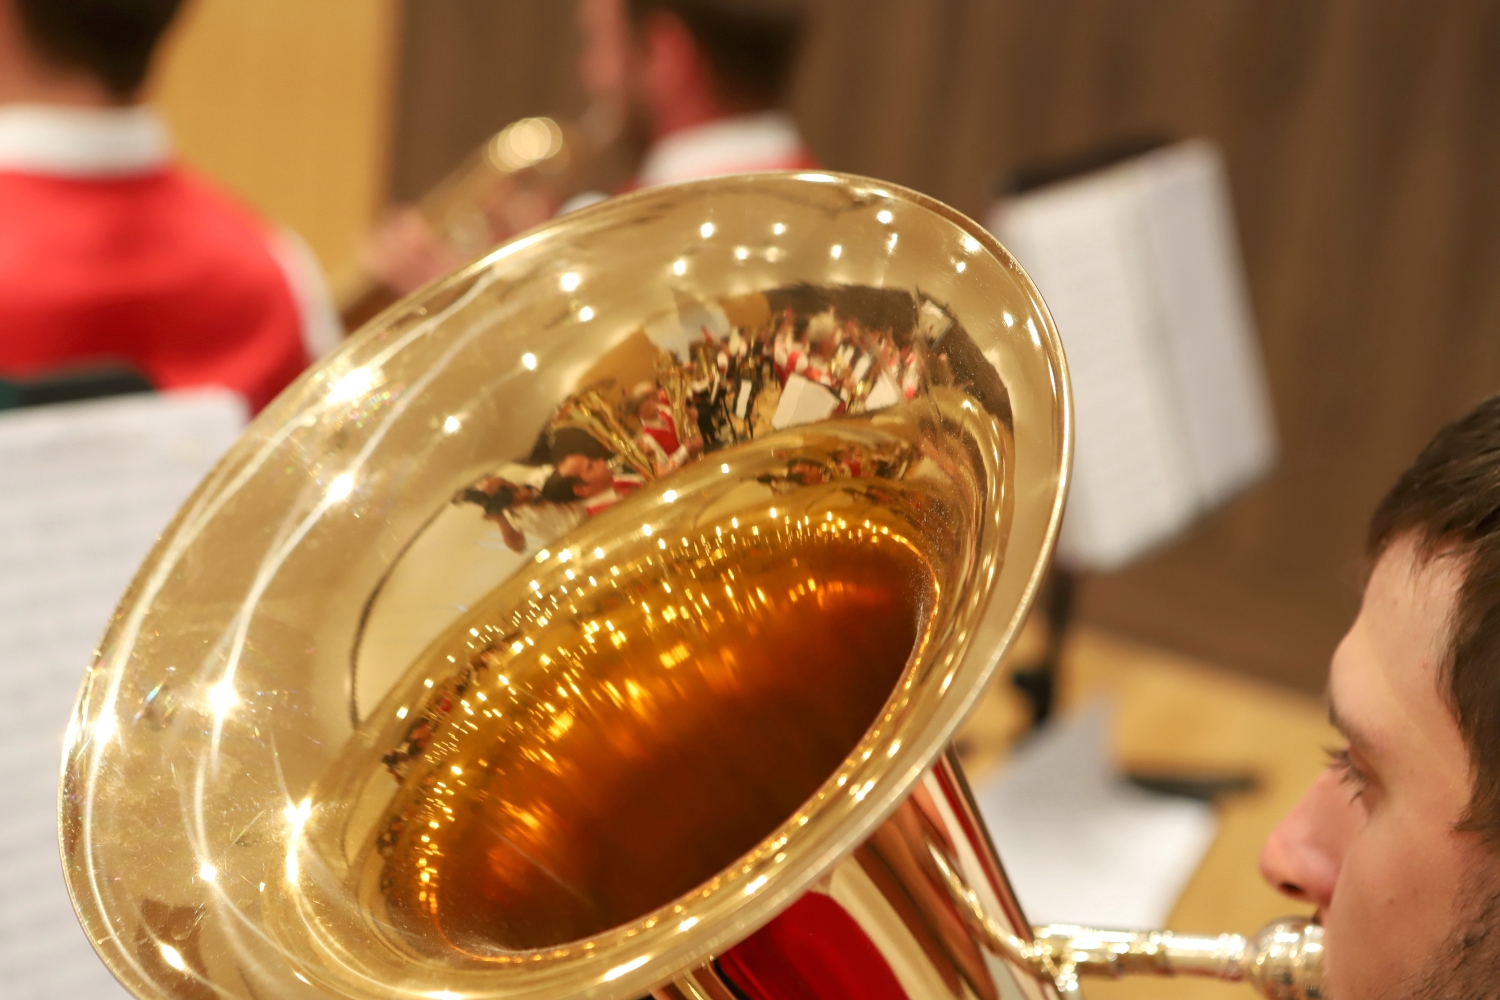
(1302, 856)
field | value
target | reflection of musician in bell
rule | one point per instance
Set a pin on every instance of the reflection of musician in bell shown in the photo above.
(800, 473)
(587, 470)
(852, 462)
(114, 253)
(516, 498)
(651, 412)
(1396, 843)
(659, 434)
(499, 500)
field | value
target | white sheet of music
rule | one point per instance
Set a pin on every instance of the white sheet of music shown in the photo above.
(1080, 844)
(1205, 317)
(1140, 267)
(85, 489)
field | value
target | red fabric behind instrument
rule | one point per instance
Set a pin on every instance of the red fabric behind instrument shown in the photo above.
(813, 951)
(158, 270)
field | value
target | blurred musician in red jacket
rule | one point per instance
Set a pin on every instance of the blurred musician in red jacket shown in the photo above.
(698, 84)
(705, 81)
(111, 252)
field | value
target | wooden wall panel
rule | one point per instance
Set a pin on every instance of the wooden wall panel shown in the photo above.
(1363, 143)
(470, 67)
(287, 103)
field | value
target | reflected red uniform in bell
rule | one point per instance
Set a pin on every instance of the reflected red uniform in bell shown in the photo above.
(813, 951)
(156, 270)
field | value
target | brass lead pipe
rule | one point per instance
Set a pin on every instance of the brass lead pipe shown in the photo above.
(1283, 961)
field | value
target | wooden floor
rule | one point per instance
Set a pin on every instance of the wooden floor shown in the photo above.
(1176, 714)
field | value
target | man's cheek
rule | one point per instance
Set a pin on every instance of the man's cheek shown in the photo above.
(1355, 953)
(1377, 930)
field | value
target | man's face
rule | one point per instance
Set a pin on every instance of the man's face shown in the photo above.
(605, 49)
(593, 474)
(615, 65)
(1373, 844)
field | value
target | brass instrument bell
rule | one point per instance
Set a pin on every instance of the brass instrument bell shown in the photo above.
(691, 741)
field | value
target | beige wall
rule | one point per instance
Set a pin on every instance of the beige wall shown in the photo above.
(287, 103)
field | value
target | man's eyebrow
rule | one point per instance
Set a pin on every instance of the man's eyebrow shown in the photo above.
(1352, 733)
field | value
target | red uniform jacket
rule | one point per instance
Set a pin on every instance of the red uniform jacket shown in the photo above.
(157, 270)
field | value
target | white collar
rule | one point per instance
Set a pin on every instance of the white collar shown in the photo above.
(81, 142)
(767, 140)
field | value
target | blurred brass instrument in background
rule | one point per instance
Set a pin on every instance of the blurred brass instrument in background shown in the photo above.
(777, 463)
(513, 181)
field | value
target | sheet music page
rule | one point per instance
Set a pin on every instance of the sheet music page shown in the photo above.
(1132, 484)
(1204, 308)
(85, 489)
(1080, 844)
(1140, 266)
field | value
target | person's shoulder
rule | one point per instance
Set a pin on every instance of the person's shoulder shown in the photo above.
(213, 227)
(167, 221)
(36, 198)
(212, 207)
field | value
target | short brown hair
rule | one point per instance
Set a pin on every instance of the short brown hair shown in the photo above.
(111, 40)
(570, 441)
(751, 45)
(1448, 502)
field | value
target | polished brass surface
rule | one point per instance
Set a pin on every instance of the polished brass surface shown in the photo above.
(772, 697)
(593, 719)
(589, 619)
(844, 358)
(1283, 961)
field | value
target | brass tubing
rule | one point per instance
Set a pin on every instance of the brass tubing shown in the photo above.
(1283, 961)
(1163, 953)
